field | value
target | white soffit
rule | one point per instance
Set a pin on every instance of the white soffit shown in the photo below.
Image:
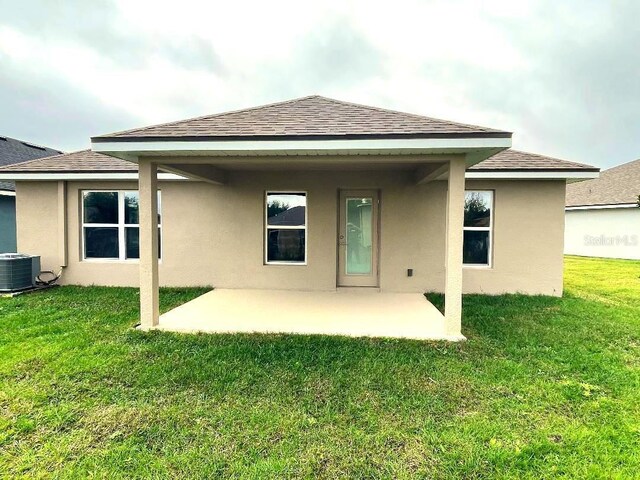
(171, 176)
(603, 207)
(532, 175)
(301, 147)
(84, 176)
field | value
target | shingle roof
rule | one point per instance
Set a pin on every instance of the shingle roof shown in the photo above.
(81, 162)
(7, 186)
(14, 151)
(515, 160)
(312, 116)
(90, 161)
(617, 185)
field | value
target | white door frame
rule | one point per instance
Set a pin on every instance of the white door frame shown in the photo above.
(358, 280)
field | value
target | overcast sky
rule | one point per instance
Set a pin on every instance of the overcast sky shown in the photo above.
(564, 76)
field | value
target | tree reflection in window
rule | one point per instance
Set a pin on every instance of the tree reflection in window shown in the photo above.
(478, 222)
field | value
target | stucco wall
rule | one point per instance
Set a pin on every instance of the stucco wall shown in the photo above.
(7, 224)
(610, 233)
(213, 235)
(528, 239)
(37, 221)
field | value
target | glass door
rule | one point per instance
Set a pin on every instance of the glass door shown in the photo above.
(358, 238)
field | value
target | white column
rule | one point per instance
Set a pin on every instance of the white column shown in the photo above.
(148, 213)
(454, 239)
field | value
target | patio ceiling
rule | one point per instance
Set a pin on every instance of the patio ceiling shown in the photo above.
(211, 165)
(215, 170)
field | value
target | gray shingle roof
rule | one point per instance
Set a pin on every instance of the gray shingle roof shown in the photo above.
(14, 151)
(515, 160)
(10, 186)
(81, 162)
(312, 116)
(89, 161)
(616, 185)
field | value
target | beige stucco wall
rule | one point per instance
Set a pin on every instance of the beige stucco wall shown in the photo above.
(528, 239)
(37, 221)
(213, 235)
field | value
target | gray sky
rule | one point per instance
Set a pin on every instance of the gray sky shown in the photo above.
(564, 76)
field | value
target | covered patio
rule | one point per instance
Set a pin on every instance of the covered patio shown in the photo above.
(360, 311)
(348, 312)
(316, 135)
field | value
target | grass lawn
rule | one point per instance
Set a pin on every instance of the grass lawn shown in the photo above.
(544, 387)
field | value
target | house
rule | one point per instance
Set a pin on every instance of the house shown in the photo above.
(310, 215)
(14, 151)
(603, 214)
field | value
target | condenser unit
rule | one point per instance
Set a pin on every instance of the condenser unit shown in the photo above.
(18, 271)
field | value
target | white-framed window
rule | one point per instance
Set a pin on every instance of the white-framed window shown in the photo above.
(478, 228)
(285, 228)
(110, 225)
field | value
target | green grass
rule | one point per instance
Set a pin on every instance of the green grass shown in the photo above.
(544, 387)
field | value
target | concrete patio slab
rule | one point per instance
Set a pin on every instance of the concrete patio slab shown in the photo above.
(351, 312)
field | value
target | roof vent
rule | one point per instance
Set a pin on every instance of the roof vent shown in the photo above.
(30, 145)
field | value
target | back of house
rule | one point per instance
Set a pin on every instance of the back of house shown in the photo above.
(307, 194)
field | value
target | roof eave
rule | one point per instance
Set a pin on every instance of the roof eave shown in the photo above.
(81, 176)
(133, 175)
(575, 175)
(477, 148)
(284, 138)
(535, 169)
(601, 206)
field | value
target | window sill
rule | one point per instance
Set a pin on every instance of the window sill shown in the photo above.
(133, 261)
(478, 267)
(291, 264)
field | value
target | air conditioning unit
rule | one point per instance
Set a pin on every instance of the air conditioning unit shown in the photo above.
(18, 271)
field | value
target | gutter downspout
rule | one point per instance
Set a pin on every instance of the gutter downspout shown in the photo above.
(62, 223)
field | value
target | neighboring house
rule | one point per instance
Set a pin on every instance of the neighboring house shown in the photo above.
(14, 151)
(309, 194)
(602, 215)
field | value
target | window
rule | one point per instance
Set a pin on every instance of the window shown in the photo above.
(286, 228)
(478, 224)
(110, 228)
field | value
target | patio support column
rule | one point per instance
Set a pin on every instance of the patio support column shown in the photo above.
(148, 216)
(454, 239)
